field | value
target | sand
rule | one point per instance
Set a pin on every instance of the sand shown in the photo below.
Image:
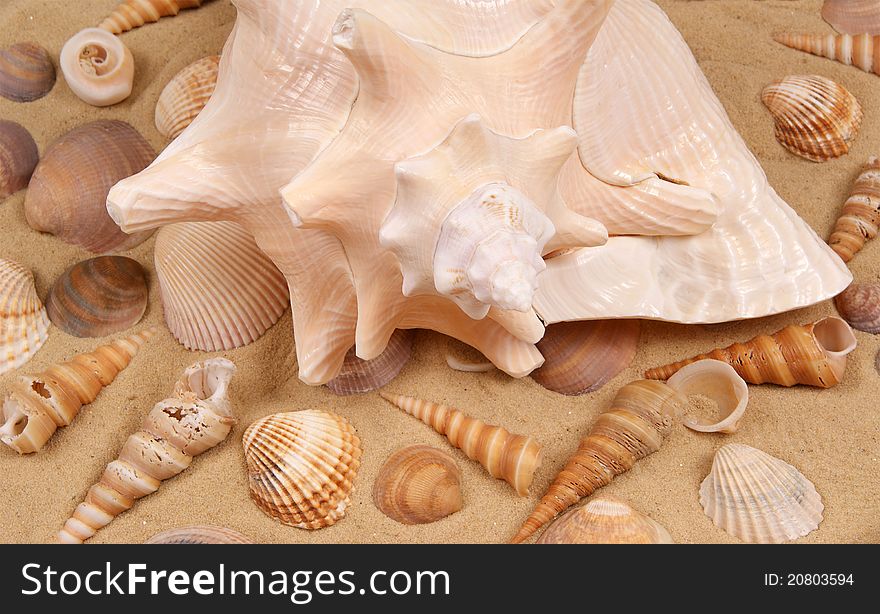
(830, 435)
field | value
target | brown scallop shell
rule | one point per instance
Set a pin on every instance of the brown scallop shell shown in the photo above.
(26, 72)
(186, 95)
(358, 376)
(199, 535)
(605, 520)
(18, 157)
(859, 305)
(418, 485)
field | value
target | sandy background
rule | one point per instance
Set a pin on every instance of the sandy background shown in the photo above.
(830, 435)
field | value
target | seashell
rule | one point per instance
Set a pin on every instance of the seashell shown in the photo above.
(199, 535)
(581, 357)
(98, 297)
(812, 354)
(18, 157)
(24, 325)
(132, 14)
(505, 455)
(860, 50)
(759, 498)
(815, 117)
(26, 72)
(219, 291)
(37, 405)
(418, 485)
(195, 419)
(853, 16)
(67, 193)
(457, 364)
(98, 67)
(859, 305)
(877, 363)
(860, 218)
(718, 383)
(633, 427)
(605, 520)
(358, 376)
(301, 466)
(186, 95)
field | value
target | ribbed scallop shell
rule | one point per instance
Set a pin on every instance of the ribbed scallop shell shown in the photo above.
(358, 376)
(815, 117)
(853, 16)
(26, 72)
(605, 520)
(219, 291)
(199, 535)
(418, 485)
(859, 305)
(24, 325)
(301, 466)
(186, 95)
(759, 498)
(18, 157)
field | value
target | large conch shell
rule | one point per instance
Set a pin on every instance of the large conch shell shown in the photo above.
(38, 404)
(811, 354)
(633, 427)
(861, 50)
(853, 16)
(24, 323)
(605, 520)
(194, 420)
(98, 67)
(132, 14)
(860, 219)
(353, 104)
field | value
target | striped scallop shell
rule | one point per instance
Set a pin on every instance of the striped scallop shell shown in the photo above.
(199, 535)
(186, 95)
(815, 117)
(219, 291)
(301, 466)
(759, 498)
(24, 324)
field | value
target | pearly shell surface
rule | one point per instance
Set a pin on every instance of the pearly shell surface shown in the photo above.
(98, 67)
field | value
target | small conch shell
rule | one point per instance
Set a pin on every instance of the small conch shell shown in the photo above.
(635, 425)
(38, 404)
(811, 354)
(358, 376)
(301, 466)
(194, 420)
(759, 498)
(859, 305)
(24, 324)
(605, 520)
(67, 195)
(860, 219)
(418, 485)
(98, 297)
(98, 67)
(860, 50)
(505, 455)
(815, 117)
(720, 384)
(853, 16)
(26, 72)
(197, 535)
(18, 157)
(186, 95)
(132, 14)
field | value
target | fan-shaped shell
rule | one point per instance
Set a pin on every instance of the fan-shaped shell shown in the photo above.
(24, 325)
(718, 383)
(18, 157)
(815, 117)
(186, 95)
(26, 72)
(759, 498)
(418, 485)
(301, 466)
(98, 67)
(605, 520)
(359, 376)
(199, 535)
(853, 16)
(859, 305)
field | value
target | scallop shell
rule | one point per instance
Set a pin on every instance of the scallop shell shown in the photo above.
(861, 50)
(759, 498)
(301, 466)
(358, 376)
(186, 95)
(853, 16)
(580, 357)
(26, 72)
(605, 520)
(24, 325)
(18, 157)
(860, 219)
(859, 305)
(132, 14)
(721, 384)
(199, 535)
(98, 67)
(67, 194)
(418, 485)
(815, 117)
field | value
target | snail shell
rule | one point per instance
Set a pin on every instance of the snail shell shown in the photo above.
(199, 535)
(186, 95)
(24, 324)
(18, 157)
(26, 72)
(722, 385)
(98, 67)
(418, 485)
(605, 520)
(860, 306)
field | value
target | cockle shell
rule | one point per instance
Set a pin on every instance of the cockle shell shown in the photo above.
(759, 498)
(98, 297)
(635, 425)
(98, 67)
(860, 219)
(812, 354)
(719, 383)
(18, 157)
(301, 466)
(24, 325)
(418, 485)
(132, 14)
(26, 72)
(853, 16)
(859, 305)
(815, 117)
(358, 376)
(199, 535)
(194, 420)
(68, 191)
(605, 520)
(861, 50)
(219, 291)
(186, 95)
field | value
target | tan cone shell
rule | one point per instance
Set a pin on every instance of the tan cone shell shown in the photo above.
(605, 520)
(186, 95)
(860, 219)
(418, 485)
(24, 324)
(133, 14)
(861, 50)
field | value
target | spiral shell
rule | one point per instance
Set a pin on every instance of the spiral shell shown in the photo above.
(24, 325)
(861, 50)
(186, 95)
(302, 466)
(26, 72)
(853, 16)
(605, 520)
(719, 383)
(358, 376)
(859, 305)
(860, 219)
(199, 535)
(98, 67)
(132, 14)
(18, 157)
(418, 485)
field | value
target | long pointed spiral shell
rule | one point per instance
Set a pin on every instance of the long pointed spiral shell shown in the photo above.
(38, 404)
(861, 50)
(24, 323)
(186, 95)
(853, 16)
(605, 520)
(860, 219)
(133, 14)
(194, 420)
(633, 427)
(505, 455)
(811, 354)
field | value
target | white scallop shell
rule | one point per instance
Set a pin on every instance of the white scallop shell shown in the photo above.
(24, 323)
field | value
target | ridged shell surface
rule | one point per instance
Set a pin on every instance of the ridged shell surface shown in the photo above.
(605, 520)
(859, 305)
(853, 16)
(26, 72)
(860, 50)
(418, 485)
(358, 376)
(859, 221)
(18, 157)
(24, 324)
(199, 534)
(186, 95)
(132, 14)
